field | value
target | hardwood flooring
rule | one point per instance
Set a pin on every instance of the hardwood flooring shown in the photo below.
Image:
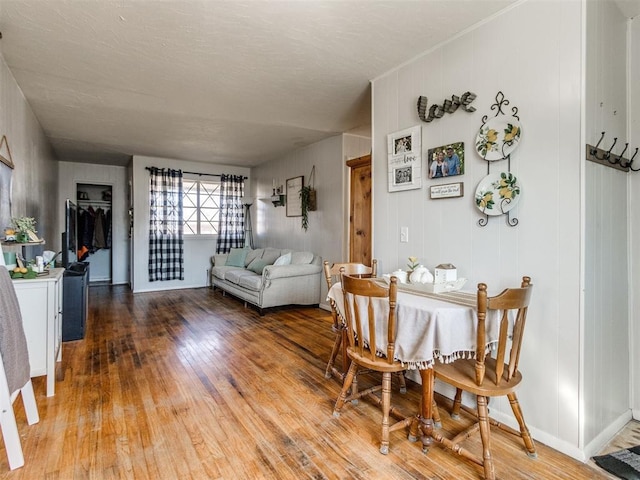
(190, 384)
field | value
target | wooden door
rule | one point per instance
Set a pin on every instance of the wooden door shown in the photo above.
(360, 234)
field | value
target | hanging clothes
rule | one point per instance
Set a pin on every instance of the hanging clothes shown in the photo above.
(99, 231)
(86, 225)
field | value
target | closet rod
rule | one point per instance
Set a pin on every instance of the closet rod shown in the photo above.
(199, 173)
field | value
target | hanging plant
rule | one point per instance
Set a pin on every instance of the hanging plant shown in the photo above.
(308, 199)
(305, 195)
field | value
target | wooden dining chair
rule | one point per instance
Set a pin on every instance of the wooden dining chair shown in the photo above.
(370, 308)
(488, 376)
(331, 274)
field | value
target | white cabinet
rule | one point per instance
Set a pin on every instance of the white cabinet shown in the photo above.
(40, 302)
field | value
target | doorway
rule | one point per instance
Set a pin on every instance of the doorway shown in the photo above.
(360, 229)
(94, 229)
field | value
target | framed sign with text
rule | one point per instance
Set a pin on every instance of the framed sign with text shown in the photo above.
(294, 202)
(447, 190)
(404, 153)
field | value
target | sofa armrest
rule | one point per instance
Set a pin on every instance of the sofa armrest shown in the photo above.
(271, 272)
(219, 259)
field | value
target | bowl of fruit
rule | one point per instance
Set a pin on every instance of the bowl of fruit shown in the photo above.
(23, 272)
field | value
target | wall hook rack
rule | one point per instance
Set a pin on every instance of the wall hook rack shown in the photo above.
(609, 159)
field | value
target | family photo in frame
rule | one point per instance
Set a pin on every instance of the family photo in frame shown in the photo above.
(404, 150)
(446, 160)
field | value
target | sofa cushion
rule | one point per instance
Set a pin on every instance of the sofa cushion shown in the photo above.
(234, 276)
(257, 265)
(270, 255)
(301, 258)
(283, 259)
(251, 282)
(237, 257)
(220, 272)
(252, 255)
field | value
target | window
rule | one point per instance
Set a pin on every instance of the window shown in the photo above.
(200, 207)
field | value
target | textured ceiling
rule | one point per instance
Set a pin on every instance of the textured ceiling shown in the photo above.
(234, 82)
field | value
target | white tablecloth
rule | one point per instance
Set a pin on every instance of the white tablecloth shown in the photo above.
(429, 328)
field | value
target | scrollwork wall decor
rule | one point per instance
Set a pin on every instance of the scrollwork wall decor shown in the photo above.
(498, 193)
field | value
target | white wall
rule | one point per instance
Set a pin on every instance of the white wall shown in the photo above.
(516, 52)
(35, 176)
(327, 233)
(634, 212)
(70, 174)
(197, 251)
(606, 359)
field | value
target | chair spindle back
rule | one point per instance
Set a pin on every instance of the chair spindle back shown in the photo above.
(371, 299)
(514, 300)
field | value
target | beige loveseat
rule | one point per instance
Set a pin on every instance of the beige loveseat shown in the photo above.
(269, 277)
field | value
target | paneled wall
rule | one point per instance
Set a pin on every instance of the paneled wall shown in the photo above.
(516, 53)
(35, 176)
(606, 358)
(634, 214)
(327, 233)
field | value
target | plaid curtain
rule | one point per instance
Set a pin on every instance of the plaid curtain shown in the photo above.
(231, 220)
(166, 246)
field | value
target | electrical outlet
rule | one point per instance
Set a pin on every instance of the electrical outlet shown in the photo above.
(404, 234)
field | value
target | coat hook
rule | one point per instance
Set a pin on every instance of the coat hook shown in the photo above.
(620, 157)
(631, 162)
(608, 154)
(593, 150)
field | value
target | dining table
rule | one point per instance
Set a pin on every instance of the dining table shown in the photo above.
(431, 327)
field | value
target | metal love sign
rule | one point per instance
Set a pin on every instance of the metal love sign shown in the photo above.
(448, 106)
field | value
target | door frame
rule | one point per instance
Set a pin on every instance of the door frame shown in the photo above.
(353, 164)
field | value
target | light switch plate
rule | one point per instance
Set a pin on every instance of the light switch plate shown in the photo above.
(404, 234)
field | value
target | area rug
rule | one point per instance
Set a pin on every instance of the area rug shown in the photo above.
(623, 463)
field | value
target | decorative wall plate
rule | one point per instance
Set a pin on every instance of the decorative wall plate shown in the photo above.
(497, 193)
(498, 138)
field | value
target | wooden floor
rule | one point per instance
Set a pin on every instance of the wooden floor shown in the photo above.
(190, 384)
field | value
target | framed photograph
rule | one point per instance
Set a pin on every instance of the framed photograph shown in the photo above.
(294, 203)
(446, 160)
(404, 159)
(447, 190)
(7, 160)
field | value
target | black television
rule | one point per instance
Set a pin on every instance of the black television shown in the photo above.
(70, 234)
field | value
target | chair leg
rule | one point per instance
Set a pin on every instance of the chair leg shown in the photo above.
(386, 406)
(485, 435)
(342, 398)
(524, 431)
(457, 401)
(334, 353)
(435, 415)
(29, 402)
(402, 382)
(8, 425)
(354, 386)
(346, 361)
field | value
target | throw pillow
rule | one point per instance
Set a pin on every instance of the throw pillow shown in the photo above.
(271, 254)
(236, 257)
(283, 260)
(257, 265)
(301, 258)
(252, 255)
